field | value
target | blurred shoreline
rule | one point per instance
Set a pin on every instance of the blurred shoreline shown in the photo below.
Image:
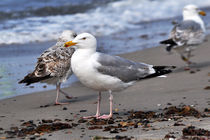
(40, 21)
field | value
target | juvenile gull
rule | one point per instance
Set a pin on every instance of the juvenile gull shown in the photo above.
(54, 65)
(104, 72)
(187, 34)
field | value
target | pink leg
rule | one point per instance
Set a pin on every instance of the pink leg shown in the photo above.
(98, 105)
(98, 108)
(187, 60)
(57, 96)
(110, 109)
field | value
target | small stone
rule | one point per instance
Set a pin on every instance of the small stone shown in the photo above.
(57, 120)
(47, 121)
(83, 111)
(169, 103)
(192, 72)
(36, 134)
(82, 121)
(116, 109)
(32, 138)
(136, 126)
(207, 88)
(74, 124)
(114, 131)
(64, 108)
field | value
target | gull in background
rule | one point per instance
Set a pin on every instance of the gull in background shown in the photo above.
(103, 72)
(185, 36)
(54, 65)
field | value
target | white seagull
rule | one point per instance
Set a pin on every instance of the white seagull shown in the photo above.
(187, 34)
(104, 72)
(54, 65)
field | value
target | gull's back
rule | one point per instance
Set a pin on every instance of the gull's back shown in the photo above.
(188, 32)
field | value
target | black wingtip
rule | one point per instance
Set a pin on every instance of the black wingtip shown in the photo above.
(164, 68)
(168, 41)
(31, 78)
(25, 81)
(22, 81)
(161, 70)
(163, 42)
(169, 44)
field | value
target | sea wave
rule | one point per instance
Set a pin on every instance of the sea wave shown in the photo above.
(100, 21)
(42, 9)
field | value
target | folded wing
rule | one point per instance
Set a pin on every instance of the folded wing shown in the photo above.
(127, 70)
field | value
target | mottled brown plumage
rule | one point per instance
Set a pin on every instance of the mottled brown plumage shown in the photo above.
(54, 65)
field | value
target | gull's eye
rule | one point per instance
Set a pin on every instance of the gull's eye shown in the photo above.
(74, 35)
(83, 38)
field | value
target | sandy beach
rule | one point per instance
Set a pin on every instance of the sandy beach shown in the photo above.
(178, 89)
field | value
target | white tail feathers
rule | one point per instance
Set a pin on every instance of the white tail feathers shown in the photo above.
(162, 76)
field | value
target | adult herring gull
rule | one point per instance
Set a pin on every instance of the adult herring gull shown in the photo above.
(54, 65)
(187, 34)
(104, 72)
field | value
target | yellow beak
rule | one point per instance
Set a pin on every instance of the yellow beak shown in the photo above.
(202, 13)
(69, 44)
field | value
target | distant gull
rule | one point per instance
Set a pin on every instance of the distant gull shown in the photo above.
(187, 34)
(104, 72)
(54, 65)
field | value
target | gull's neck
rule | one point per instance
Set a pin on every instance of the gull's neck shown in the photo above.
(85, 53)
(195, 18)
(59, 43)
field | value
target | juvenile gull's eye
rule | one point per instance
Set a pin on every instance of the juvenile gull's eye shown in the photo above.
(74, 35)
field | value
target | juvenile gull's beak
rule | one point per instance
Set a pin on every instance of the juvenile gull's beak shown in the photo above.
(69, 44)
(202, 13)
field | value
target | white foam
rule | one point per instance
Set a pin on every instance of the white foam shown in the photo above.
(114, 17)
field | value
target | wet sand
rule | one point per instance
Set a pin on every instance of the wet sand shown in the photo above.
(179, 88)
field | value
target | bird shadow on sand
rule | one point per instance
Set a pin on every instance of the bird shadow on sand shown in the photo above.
(70, 101)
(194, 67)
(81, 98)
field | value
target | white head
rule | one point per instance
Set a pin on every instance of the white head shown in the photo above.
(83, 41)
(66, 36)
(192, 12)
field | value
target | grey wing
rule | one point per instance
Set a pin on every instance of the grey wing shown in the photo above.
(123, 69)
(187, 33)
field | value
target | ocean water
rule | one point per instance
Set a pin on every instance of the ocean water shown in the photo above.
(28, 28)
(38, 21)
